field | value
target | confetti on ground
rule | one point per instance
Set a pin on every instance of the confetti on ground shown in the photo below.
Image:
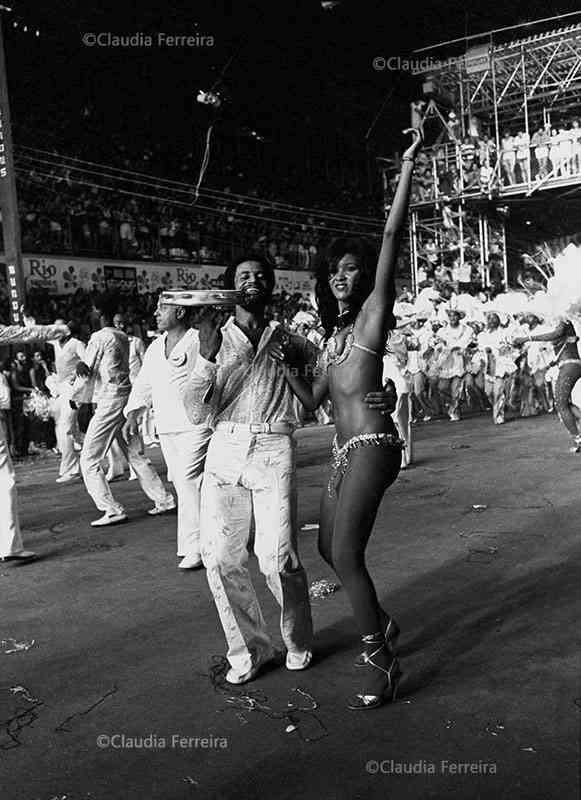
(479, 507)
(23, 692)
(322, 588)
(12, 646)
(449, 723)
(300, 713)
(528, 749)
(290, 728)
(190, 780)
(310, 526)
(64, 725)
(495, 729)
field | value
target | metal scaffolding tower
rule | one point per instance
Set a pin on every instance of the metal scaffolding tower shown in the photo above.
(494, 118)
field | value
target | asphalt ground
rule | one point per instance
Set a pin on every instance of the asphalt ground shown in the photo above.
(476, 552)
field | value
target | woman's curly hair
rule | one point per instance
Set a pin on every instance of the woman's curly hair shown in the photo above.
(326, 302)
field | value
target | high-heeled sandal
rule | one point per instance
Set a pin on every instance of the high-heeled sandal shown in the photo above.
(374, 645)
(576, 448)
(391, 637)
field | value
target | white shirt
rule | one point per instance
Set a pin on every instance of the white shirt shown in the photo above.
(66, 357)
(107, 356)
(244, 385)
(4, 393)
(136, 356)
(160, 381)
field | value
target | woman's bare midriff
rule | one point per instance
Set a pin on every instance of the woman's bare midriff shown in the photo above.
(349, 382)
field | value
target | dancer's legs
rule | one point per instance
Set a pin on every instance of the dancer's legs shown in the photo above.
(369, 472)
(569, 374)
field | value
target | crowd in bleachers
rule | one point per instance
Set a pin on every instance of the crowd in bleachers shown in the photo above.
(137, 201)
(473, 163)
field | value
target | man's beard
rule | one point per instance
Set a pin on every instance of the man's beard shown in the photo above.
(254, 302)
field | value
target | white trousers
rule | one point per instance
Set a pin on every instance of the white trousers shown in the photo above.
(184, 455)
(253, 478)
(117, 462)
(104, 428)
(10, 537)
(402, 416)
(65, 428)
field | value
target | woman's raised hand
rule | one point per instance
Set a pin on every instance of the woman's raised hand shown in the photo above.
(418, 140)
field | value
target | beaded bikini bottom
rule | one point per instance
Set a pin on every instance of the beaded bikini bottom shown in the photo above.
(340, 455)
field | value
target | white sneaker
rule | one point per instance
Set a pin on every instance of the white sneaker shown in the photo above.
(191, 562)
(67, 478)
(298, 661)
(109, 519)
(162, 509)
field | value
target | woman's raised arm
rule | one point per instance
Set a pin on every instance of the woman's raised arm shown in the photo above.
(384, 290)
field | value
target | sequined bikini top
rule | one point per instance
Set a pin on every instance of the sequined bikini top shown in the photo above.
(350, 343)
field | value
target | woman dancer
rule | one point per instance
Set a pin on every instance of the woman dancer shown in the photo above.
(356, 306)
(564, 340)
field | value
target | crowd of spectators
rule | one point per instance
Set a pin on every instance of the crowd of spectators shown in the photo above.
(141, 205)
(470, 164)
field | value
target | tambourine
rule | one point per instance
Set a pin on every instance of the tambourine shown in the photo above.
(202, 297)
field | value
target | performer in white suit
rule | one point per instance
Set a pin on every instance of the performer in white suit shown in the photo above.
(11, 546)
(107, 366)
(68, 351)
(117, 461)
(166, 367)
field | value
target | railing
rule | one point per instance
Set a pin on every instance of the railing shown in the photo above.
(89, 241)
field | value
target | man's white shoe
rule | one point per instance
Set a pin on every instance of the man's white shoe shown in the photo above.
(298, 661)
(235, 678)
(109, 519)
(68, 478)
(162, 509)
(191, 562)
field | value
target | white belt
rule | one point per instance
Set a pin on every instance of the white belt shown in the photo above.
(284, 428)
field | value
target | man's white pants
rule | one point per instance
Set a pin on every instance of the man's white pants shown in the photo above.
(253, 477)
(10, 538)
(64, 429)
(184, 455)
(105, 427)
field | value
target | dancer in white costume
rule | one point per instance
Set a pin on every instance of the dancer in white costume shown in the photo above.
(11, 545)
(394, 369)
(158, 386)
(107, 366)
(495, 344)
(68, 351)
(564, 299)
(117, 461)
(454, 339)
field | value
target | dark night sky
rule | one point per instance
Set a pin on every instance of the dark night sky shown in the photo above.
(296, 65)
